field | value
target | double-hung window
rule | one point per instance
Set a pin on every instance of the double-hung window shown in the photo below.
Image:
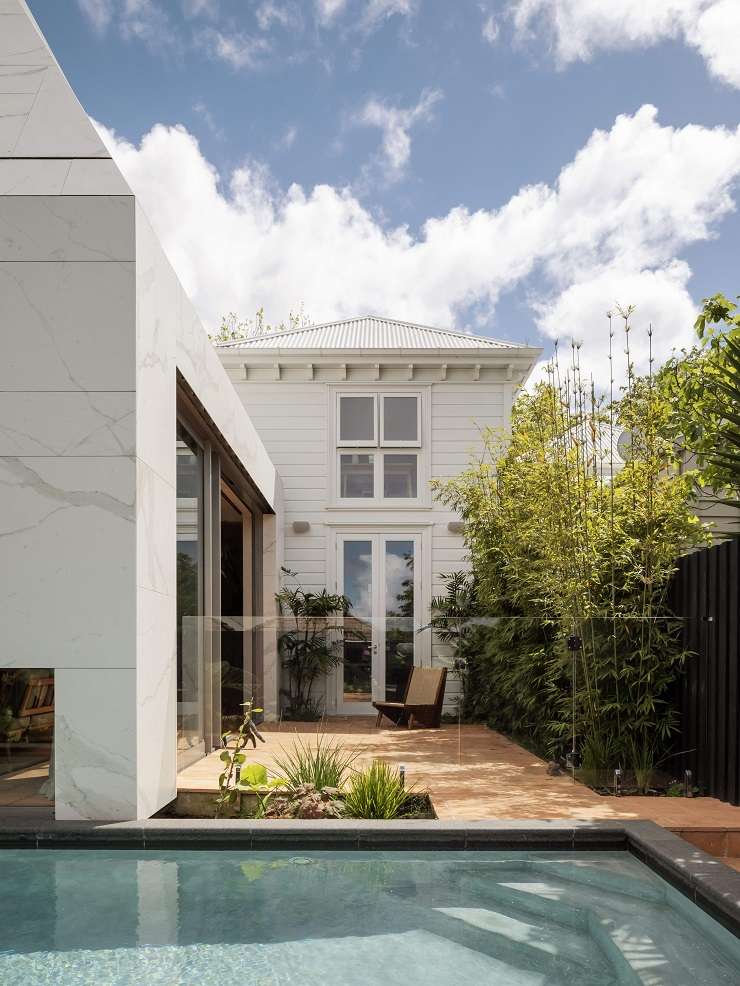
(378, 437)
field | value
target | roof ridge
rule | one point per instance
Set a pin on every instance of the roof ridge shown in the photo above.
(281, 333)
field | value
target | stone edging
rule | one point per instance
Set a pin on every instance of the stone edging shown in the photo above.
(704, 879)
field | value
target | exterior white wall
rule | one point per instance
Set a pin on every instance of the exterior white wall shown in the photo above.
(94, 327)
(294, 421)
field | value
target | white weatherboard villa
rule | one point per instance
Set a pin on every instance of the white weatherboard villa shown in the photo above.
(138, 462)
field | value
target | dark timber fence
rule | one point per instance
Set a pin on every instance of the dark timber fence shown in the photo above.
(707, 596)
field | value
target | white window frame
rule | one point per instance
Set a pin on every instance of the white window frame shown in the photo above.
(387, 443)
(357, 450)
(349, 443)
(422, 450)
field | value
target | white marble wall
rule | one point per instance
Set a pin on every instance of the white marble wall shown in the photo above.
(93, 326)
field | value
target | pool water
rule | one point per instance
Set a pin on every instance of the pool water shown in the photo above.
(119, 918)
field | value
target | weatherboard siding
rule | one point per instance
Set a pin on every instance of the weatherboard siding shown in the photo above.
(293, 420)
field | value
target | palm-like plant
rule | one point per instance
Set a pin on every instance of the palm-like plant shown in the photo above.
(309, 647)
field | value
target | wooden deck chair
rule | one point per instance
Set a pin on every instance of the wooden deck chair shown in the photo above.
(422, 703)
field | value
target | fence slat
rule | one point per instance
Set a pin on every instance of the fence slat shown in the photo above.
(706, 595)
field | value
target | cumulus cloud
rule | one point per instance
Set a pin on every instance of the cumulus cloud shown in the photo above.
(581, 28)
(395, 124)
(609, 229)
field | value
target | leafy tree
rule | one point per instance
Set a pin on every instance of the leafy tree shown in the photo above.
(560, 550)
(232, 328)
(701, 387)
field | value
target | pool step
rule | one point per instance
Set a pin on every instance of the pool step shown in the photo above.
(644, 943)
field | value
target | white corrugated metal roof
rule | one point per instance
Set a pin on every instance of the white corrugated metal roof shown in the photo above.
(369, 332)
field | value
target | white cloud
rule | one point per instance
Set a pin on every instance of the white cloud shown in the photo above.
(286, 139)
(395, 124)
(377, 11)
(610, 229)
(286, 15)
(236, 49)
(581, 28)
(490, 29)
(200, 8)
(144, 20)
(328, 10)
(98, 12)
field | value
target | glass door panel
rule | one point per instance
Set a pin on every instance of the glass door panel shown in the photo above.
(399, 615)
(356, 560)
(190, 724)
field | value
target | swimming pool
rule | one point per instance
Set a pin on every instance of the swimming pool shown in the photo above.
(124, 917)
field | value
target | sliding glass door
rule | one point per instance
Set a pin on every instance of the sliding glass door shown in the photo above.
(377, 574)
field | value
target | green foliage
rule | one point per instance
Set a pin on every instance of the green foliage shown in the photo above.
(324, 764)
(376, 792)
(309, 647)
(234, 759)
(561, 549)
(701, 389)
(232, 328)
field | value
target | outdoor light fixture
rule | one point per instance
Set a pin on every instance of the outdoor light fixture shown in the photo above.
(402, 774)
(617, 782)
(688, 790)
(300, 526)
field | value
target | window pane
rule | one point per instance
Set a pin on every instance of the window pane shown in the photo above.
(358, 587)
(356, 476)
(356, 419)
(399, 613)
(399, 475)
(190, 726)
(400, 422)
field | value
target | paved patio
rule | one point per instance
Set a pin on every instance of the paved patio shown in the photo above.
(473, 773)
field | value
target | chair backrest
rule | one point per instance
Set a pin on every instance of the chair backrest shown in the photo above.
(424, 686)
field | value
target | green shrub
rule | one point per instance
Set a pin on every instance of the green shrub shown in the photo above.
(376, 792)
(324, 765)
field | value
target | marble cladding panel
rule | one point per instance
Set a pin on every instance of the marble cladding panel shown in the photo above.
(68, 423)
(21, 78)
(39, 177)
(68, 326)
(14, 110)
(95, 744)
(68, 572)
(89, 177)
(156, 706)
(57, 125)
(157, 319)
(156, 531)
(67, 227)
(200, 365)
(20, 41)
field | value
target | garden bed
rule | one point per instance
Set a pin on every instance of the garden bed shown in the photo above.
(202, 804)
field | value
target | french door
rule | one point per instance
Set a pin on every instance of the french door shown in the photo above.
(378, 574)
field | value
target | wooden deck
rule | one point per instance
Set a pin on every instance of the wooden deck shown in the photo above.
(472, 772)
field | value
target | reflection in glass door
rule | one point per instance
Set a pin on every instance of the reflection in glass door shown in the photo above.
(190, 725)
(400, 598)
(357, 563)
(376, 573)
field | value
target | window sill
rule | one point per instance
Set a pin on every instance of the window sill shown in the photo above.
(371, 505)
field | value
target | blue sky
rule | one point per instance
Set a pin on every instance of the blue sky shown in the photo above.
(404, 111)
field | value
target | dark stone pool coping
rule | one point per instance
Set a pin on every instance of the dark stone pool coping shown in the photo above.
(701, 877)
